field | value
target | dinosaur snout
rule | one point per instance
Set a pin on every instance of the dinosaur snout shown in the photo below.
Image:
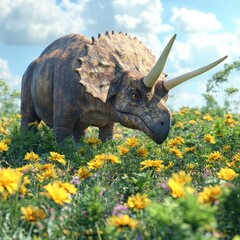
(161, 131)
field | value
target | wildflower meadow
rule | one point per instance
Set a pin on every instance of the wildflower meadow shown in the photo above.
(128, 188)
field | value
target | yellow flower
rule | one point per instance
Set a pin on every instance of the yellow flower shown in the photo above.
(179, 124)
(209, 194)
(122, 221)
(209, 138)
(226, 148)
(93, 140)
(138, 201)
(122, 150)
(117, 136)
(111, 158)
(22, 189)
(178, 182)
(228, 115)
(192, 122)
(175, 141)
(32, 214)
(156, 164)
(189, 149)
(230, 164)
(49, 171)
(95, 163)
(170, 164)
(3, 146)
(181, 177)
(183, 111)
(31, 156)
(237, 157)
(197, 112)
(57, 157)
(132, 142)
(70, 188)
(227, 174)
(207, 117)
(176, 151)
(10, 180)
(84, 172)
(190, 166)
(6, 141)
(25, 168)
(177, 190)
(142, 152)
(107, 157)
(214, 156)
(230, 122)
(57, 193)
(3, 130)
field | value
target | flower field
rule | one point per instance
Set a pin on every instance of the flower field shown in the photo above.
(129, 188)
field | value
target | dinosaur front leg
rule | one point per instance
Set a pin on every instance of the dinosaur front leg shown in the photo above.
(62, 133)
(78, 133)
(106, 132)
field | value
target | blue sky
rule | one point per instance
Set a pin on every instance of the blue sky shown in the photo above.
(206, 31)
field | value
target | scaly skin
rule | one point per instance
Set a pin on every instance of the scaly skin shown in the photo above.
(107, 88)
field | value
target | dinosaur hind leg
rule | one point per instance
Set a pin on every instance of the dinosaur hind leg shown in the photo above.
(28, 112)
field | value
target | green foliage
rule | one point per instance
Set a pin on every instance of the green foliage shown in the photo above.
(180, 219)
(220, 83)
(211, 105)
(9, 99)
(222, 76)
(228, 215)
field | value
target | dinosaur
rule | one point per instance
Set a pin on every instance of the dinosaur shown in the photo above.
(79, 82)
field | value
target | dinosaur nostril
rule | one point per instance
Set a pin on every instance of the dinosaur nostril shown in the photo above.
(162, 123)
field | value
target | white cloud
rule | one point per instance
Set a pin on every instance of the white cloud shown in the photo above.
(146, 12)
(126, 20)
(34, 22)
(6, 75)
(28, 22)
(193, 21)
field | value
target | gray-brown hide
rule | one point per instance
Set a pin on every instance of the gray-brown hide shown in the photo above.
(77, 82)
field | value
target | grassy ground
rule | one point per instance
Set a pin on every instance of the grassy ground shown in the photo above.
(129, 188)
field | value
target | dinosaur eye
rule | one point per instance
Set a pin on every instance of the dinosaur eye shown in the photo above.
(135, 96)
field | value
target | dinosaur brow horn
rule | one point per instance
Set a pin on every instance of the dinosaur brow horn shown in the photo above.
(154, 74)
(184, 77)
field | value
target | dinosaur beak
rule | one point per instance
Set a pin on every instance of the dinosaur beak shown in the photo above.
(154, 74)
(169, 84)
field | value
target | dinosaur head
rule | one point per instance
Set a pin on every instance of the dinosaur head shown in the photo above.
(140, 101)
(140, 107)
(120, 71)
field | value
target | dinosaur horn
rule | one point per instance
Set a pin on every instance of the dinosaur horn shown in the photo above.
(154, 74)
(184, 77)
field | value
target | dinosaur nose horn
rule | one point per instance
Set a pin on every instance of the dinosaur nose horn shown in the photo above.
(182, 78)
(154, 74)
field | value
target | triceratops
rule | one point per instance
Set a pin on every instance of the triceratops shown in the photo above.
(77, 82)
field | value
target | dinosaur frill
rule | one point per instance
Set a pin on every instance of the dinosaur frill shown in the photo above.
(107, 58)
